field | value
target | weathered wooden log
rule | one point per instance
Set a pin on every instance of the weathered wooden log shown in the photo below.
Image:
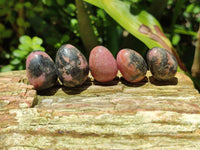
(148, 115)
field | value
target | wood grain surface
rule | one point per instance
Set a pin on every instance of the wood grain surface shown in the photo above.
(148, 115)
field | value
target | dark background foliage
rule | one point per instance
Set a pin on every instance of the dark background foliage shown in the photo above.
(48, 24)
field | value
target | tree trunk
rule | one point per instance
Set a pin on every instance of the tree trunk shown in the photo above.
(196, 63)
(85, 27)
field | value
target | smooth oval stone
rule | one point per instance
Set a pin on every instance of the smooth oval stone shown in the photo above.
(71, 65)
(131, 65)
(41, 70)
(162, 64)
(103, 65)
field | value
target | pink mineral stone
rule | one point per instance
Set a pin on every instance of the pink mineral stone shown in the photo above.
(102, 64)
(41, 70)
(131, 65)
(71, 65)
(162, 64)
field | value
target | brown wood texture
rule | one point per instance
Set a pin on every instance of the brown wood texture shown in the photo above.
(148, 115)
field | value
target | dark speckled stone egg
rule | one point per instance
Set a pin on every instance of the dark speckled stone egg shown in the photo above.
(41, 70)
(72, 66)
(131, 65)
(162, 64)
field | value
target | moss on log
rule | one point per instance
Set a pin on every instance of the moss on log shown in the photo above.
(119, 115)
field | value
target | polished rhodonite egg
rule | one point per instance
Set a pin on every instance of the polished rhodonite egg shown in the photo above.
(102, 64)
(41, 70)
(131, 65)
(72, 66)
(162, 64)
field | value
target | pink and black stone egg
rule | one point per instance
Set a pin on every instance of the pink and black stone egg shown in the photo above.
(41, 70)
(131, 65)
(72, 66)
(162, 64)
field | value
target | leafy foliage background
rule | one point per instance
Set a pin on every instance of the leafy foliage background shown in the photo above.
(51, 23)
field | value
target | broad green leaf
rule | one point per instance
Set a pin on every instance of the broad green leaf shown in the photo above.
(25, 39)
(36, 40)
(142, 25)
(97, 3)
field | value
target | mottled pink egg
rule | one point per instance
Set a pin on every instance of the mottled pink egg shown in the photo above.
(162, 64)
(41, 70)
(71, 65)
(102, 64)
(131, 65)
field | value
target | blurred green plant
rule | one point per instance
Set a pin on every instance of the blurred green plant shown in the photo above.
(57, 23)
(53, 21)
(18, 56)
(141, 24)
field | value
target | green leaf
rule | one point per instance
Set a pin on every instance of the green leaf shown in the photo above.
(190, 8)
(38, 47)
(47, 2)
(19, 53)
(186, 32)
(2, 27)
(25, 39)
(27, 4)
(7, 68)
(65, 38)
(24, 47)
(196, 10)
(6, 33)
(20, 21)
(15, 61)
(101, 14)
(60, 2)
(37, 40)
(19, 6)
(70, 9)
(97, 3)
(176, 39)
